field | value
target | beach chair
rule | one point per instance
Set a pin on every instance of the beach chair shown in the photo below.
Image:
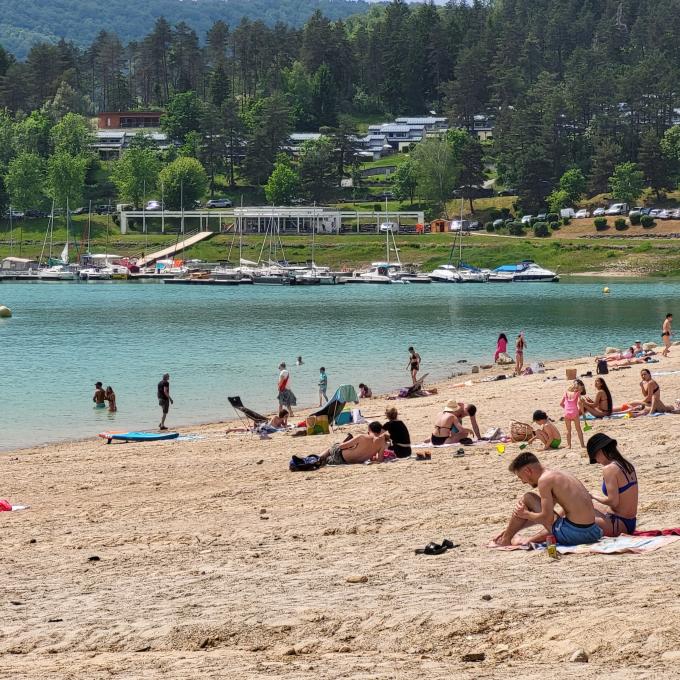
(334, 407)
(413, 390)
(249, 414)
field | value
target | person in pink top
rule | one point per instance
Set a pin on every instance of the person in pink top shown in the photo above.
(571, 402)
(501, 347)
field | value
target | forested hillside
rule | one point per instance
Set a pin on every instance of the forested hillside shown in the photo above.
(582, 85)
(28, 21)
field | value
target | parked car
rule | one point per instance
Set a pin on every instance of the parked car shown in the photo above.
(598, 212)
(654, 212)
(497, 224)
(568, 213)
(508, 192)
(105, 209)
(79, 211)
(153, 205)
(676, 214)
(617, 209)
(582, 214)
(460, 225)
(664, 215)
(542, 217)
(527, 219)
(386, 196)
(219, 203)
(33, 214)
(14, 214)
(475, 226)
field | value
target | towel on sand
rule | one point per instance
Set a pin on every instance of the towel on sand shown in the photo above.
(6, 506)
(605, 546)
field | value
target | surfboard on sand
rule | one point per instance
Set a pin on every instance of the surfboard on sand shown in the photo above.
(138, 436)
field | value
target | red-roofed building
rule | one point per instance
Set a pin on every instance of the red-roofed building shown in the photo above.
(118, 120)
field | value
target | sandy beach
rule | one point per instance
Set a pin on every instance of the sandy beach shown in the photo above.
(207, 558)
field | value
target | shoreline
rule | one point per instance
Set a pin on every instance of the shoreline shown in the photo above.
(451, 382)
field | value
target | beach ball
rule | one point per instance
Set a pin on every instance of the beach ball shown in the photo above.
(500, 448)
(5, 312)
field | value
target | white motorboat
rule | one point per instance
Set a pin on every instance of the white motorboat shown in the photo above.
(57, 272)
(116, 271)
(446, 273)
(378, 272)
(525, 271)
(93, 274)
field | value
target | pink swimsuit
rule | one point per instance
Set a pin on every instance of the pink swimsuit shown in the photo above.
(570, 402)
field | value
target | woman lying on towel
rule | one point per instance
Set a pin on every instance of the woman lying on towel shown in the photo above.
(616, 508)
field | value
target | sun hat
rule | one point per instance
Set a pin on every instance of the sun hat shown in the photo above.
(598, 442)
(451, 406)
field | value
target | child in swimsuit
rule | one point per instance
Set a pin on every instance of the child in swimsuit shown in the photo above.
(548, 434)
(571, 404)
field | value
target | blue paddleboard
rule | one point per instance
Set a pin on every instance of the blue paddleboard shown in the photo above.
(138, 436)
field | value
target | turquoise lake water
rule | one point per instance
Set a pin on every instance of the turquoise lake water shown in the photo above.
(222, 341)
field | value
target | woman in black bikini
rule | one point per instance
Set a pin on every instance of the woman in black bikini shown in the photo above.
(413, 364)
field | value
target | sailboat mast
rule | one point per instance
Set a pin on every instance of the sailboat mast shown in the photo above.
(460, 240)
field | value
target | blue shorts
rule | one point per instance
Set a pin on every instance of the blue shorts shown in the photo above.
(568, 533)
(100, 405)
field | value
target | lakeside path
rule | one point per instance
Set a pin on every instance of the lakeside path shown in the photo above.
(216, 562)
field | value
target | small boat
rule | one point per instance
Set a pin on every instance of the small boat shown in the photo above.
(446, 273)
(58, 272)
(525, 271)
(378, 273)
(93, 274)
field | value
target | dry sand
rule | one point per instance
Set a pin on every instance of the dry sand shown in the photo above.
(216, 562)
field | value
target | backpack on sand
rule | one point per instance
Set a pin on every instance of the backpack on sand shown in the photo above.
(306, 464)
(602, 367)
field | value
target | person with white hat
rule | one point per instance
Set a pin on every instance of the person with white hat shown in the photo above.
(448, 428)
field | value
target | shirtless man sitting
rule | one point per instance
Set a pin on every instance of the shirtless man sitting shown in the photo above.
(448, 428)
(575, 525)
(359, 449)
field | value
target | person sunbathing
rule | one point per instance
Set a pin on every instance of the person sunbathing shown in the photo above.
(618, 356)
(574, 525)
(601, 406)
(448, 428)
(359, 449)
(651, 402)
(279, 421)
(616, 509)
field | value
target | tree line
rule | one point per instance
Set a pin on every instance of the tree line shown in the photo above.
(570, 84)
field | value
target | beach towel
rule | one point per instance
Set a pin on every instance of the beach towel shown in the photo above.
(659, 532)
(605, 546)
(6, 506)
(306, 464)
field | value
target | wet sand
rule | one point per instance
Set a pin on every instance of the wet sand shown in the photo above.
(214, 561)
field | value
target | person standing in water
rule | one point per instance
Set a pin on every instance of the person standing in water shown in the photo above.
(164, 398)
(111, 398)
(99, 397)
(666, 332)
(520, 345)
(413, 364)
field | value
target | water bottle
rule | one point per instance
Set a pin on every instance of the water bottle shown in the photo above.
(551, 545)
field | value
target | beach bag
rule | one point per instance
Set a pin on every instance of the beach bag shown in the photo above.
(520, 432)
(602, 367)
(305, 464)
(344, 418)
(317, 425)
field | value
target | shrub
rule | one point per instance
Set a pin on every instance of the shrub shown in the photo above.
(508, 223)
(555, 226)
(553, 217)
(646, 221)
(620, 224)
(541, 229)
(634, 217)
(600, 223)
(516, 229)
(377, 207)
(566, 221)
(489, 226)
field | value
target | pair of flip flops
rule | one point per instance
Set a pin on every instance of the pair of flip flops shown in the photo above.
(436, 548)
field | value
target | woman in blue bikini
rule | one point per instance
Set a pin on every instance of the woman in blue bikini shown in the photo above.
(616, 509)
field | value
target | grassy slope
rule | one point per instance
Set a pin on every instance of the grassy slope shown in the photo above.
(566, 254)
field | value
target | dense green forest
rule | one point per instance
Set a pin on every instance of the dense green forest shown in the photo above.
(582, 88)
(29, 21)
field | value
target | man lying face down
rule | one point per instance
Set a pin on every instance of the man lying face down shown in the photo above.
(574, 525)
(359, 449)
